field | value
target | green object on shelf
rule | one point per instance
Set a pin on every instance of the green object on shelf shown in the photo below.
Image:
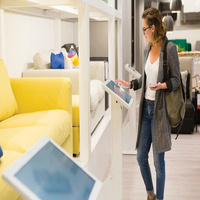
(188, 47)
(173, 41)
(181, 44)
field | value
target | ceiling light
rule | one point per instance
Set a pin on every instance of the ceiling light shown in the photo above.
(176, 5)
(69, 9)
(169, 23)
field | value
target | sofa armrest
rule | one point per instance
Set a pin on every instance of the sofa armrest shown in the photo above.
(38, 94)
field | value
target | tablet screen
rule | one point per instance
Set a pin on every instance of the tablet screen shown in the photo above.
(119, 91)
(51, 175)
(132, 71)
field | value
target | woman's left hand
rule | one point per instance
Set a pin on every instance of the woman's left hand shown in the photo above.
(158, 86)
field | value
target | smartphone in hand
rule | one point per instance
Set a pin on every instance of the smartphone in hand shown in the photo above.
(153, 85)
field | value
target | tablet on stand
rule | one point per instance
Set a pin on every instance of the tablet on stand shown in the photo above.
(48, 172)
(129, 140)
(132, 71)
(119, 98)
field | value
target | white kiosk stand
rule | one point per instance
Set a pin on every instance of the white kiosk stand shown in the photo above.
(112, 187)
(130, 123)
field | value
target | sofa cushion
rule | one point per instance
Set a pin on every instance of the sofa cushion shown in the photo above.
(39, 94)
(21, 139)
(8, 105)
(7, 192)
(57, 120)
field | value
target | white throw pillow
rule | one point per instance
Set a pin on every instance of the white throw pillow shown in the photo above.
(94, 98)
(40, 62)
(98, 85)
(96, 93)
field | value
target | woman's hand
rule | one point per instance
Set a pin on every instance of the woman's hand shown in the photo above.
(158, 86)
(122, 82)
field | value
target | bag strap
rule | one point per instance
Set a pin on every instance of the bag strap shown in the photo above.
(165, 61)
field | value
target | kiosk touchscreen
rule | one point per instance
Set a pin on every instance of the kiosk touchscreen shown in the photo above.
(119, 93)
(47, 172)
(132, 71)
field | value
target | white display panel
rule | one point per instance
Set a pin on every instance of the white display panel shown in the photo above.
(119, 93)
(132, 71)
(47, 172)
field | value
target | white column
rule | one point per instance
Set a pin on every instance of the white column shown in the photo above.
(2, 36)
(111, 47)
(84, 83)
(119, 49)
(116, 159)
(111, 3)
(57, 36)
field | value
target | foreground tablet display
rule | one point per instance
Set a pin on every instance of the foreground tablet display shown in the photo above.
(119, 93)
(132, 71)
(47, 172)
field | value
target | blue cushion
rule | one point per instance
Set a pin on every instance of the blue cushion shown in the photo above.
(57, 61)
(1, 152)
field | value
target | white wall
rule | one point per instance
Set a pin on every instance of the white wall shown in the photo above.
(25, 35)
(99, 39)
(191, 35)
(191, 6)
(67, 32)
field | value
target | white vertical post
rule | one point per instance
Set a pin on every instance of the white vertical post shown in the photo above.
(84, 83)
(116, 159)
(111, 47)
(119, 49)
(57, 36)
(2, 36)
(111, 3)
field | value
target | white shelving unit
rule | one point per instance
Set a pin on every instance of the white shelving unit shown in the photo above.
(85, 8)
(84, 11)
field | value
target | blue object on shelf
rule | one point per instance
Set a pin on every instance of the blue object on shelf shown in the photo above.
(1, 152)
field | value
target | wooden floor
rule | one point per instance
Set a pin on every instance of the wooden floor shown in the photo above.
(182, 171)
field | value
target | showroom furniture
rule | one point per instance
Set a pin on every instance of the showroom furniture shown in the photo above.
(97, 95)
(31, 108)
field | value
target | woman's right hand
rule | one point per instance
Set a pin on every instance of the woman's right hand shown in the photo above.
(122, 82)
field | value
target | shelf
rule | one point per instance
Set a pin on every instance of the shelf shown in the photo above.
(62, 9)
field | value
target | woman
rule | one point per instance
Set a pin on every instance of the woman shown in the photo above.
(154, 126)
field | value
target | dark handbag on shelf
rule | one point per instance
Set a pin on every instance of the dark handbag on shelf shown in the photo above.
(175, 100)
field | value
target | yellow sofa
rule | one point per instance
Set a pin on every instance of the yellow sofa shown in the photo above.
(97, 107)
(31, 108)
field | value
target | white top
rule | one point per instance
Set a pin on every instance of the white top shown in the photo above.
(151, 71)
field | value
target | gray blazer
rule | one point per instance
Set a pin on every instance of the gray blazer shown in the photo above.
(161, 124)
